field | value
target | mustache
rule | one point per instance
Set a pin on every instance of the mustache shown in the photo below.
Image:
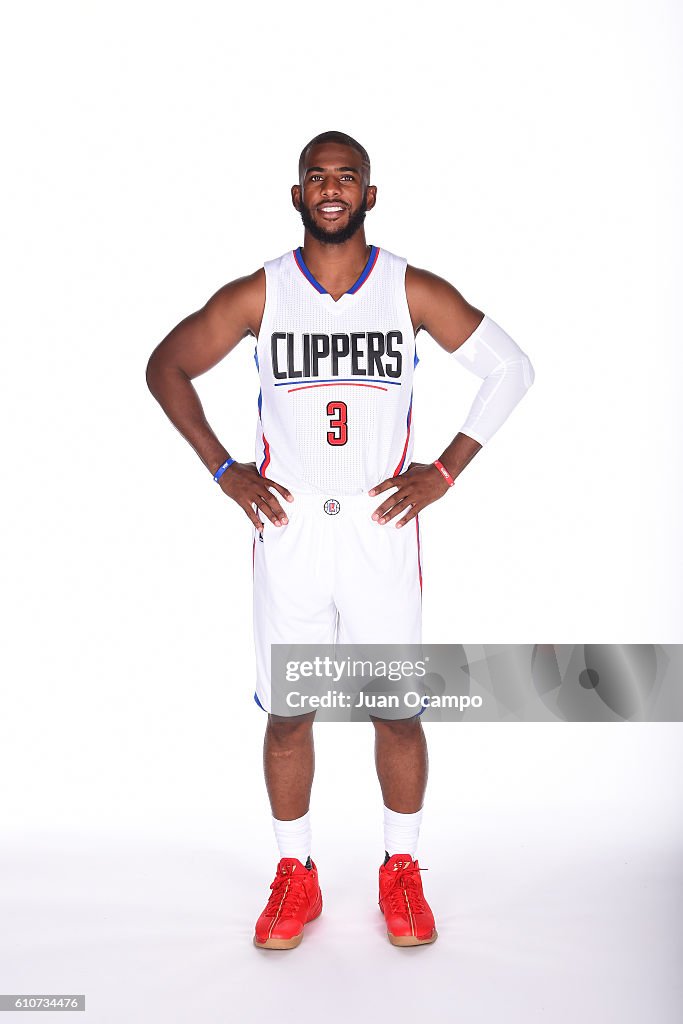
(335, 237)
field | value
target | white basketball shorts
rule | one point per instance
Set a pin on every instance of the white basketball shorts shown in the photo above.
(334, 575)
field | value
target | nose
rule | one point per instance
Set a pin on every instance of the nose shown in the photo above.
(330, 186)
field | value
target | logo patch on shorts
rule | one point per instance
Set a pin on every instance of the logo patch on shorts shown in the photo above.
(332, 506)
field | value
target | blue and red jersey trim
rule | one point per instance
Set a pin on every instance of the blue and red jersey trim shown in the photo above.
(409, 419)
(266, 458)
(266, 447)
(369, 267)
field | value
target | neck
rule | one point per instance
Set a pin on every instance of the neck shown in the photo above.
(336, 265)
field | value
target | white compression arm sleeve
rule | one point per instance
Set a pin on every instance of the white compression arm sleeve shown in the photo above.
(507, 375)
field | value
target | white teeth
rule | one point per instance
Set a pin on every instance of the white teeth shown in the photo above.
(331, 209)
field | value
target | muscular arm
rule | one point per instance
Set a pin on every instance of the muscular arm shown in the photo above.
(194, 346)
(478, 343)
(439, 308)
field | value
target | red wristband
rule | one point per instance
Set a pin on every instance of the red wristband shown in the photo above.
(444, 473)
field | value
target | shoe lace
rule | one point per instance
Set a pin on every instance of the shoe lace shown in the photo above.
(406, 883)
(287, 893)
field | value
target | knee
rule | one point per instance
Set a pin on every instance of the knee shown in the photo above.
(289, 732)
(401, 729)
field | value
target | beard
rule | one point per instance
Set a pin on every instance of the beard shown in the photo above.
(335, 237)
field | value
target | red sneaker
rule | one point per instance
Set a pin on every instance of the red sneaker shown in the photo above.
(295, 900)
(409, 919)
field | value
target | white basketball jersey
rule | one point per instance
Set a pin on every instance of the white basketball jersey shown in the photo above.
(335, 407)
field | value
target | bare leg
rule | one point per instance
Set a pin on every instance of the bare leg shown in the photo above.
(288, 765)
(402, 763)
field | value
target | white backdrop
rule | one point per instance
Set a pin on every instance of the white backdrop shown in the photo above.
(529, 153)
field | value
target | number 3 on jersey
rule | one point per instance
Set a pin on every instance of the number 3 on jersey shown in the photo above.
(338, 424)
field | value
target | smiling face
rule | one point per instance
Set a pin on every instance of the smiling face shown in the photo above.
(333, 194)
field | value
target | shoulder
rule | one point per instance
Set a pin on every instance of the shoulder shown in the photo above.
(424, 285)
(242, 299)
(438, 307)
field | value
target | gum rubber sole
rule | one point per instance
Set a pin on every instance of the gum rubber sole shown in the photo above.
(280, 943)
(411, 940)
(285, 943)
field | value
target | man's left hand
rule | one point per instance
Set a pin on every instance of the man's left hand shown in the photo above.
(419, 486)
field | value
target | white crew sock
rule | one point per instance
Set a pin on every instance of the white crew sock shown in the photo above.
(401, 832)
(294, 837)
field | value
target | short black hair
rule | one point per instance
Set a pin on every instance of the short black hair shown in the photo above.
(343, 140)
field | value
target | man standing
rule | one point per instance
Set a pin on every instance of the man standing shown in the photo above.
(338, 558)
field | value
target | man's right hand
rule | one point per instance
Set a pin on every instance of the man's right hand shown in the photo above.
(244, 484)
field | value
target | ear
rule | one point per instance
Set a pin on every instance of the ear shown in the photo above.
(296, 197)
(372, 196)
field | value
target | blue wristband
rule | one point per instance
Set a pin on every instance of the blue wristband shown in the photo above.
(221, 469)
